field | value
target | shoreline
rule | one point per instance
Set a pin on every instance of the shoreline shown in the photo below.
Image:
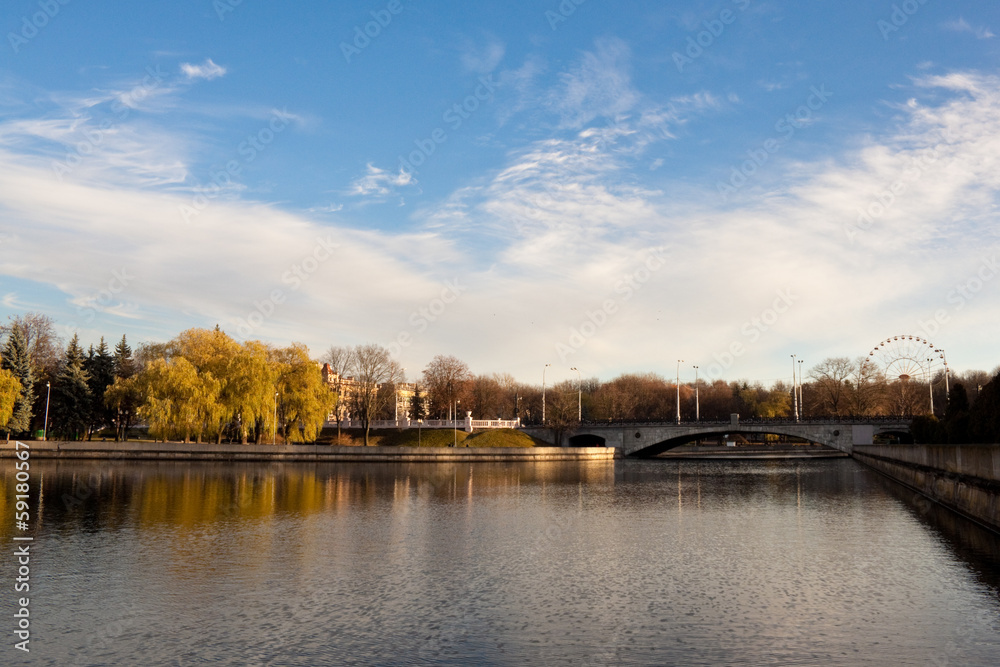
(178, 451)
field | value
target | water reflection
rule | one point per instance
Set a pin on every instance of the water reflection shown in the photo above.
(636, 562)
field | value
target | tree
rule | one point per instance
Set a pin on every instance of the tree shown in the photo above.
(71, 397)
(372, 367)
(124, 398)
(179, 400)
(831, 384)
(984, 415)
(10, 391)
(17, 360)
(123, 363)
(419, 403)
(44, 346)
(100, 368)
(956, 415)
(446, 379)
(340, 360)
(304, 400)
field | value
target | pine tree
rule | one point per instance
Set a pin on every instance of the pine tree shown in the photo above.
(71, 397)
(124, 364)
(17, 360)
(100, 368)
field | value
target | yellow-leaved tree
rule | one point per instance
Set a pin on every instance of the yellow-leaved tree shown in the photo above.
(10, 391)
(304, 399)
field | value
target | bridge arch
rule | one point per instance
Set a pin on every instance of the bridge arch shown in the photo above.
(587, 440)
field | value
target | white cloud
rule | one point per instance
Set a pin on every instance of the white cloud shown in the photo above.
(483, 57)
(207, 70)
(599, 85)
(961, 25)
(379, 182)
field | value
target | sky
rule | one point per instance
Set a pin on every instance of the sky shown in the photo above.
(610, 187)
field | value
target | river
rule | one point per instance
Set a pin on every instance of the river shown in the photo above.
(563, 563)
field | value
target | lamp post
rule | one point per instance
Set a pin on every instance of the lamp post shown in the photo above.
(678, 385)
(795, 392)
(697, 409)
(947, 389)
(45, 426)
(274, 432)
(395, 395)
(454, 423)
(579, 394)
(802, 403)
(930, 383)
(543, 392)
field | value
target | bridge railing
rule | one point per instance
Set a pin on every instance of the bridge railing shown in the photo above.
(747, 421)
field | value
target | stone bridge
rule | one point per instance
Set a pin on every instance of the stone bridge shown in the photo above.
(643, 440)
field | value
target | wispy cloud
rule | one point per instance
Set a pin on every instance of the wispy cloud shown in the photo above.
(379, 182)
(207, 70)
(599, 85)
(961, 25)
(484, 56)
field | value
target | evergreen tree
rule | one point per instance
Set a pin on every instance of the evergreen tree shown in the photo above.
(956, 416)
(100, 367)
(123, 363)
(71, 397)
(17, 360)
(984, 416)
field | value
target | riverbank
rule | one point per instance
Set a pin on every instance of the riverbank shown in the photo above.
(176, 451)
(964, 478)
(696, 452)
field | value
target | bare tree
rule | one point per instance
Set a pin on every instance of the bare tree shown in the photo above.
(446, 379)
(372, 367)
(340, 360)
(831, 384)
(44, 345)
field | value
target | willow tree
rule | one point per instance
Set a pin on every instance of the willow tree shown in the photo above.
(10, 391)
(179, 400)
(304, 400)
(250, 390)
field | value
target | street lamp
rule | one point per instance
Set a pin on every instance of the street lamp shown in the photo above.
(579, 394)
(795, 392)
(930, 383)
(543, 392)
(455, 422)
(395, 395)
(697, 409)
(802, 403)
(274, 432)
(679, 362)
(45, 426)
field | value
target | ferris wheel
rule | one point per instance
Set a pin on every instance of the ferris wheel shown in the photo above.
(907, 358)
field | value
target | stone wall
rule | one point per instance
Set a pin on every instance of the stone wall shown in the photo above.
(964, 478)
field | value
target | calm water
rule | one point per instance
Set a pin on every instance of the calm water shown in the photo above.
(635, 562)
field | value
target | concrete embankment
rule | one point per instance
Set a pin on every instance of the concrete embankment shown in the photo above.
(964, 478)
(701, 452)
(174, 451)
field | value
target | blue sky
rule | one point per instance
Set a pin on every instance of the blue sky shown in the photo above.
(611, 186)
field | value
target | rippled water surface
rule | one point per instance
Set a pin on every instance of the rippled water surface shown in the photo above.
(634, 562)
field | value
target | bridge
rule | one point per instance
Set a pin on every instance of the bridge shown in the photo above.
(644, 440)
